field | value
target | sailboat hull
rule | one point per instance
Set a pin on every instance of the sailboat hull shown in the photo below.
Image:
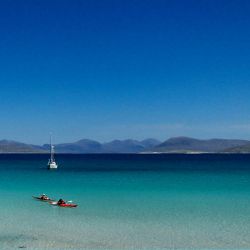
(52, 165)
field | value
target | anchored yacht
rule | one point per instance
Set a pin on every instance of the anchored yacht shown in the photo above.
(52, 163)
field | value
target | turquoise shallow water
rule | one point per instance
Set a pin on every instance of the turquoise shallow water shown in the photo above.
(170, 202)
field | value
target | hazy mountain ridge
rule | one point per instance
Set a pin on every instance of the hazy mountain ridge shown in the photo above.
(182, 144)
(172, 145)
(8, 146)
(81, 146)
(239, 149)
(115, 146)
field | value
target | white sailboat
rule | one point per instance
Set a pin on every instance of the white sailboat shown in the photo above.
(52, 163)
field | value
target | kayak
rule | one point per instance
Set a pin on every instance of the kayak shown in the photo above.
(63, 205)
(67, 205)
(40, 199)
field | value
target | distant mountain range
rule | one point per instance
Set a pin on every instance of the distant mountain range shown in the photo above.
(81, 147)
(172, 145)
(116, 146)
(188, 145)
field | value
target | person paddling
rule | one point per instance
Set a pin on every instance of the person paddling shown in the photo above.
(60, 202)
(44, 197)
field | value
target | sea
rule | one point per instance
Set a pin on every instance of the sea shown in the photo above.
(126, 201)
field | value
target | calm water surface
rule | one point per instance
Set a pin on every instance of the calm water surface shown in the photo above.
(126, 202)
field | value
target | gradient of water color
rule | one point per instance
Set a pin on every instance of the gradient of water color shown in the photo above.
(126, 202)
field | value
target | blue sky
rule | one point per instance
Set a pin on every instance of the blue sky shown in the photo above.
(124, 69)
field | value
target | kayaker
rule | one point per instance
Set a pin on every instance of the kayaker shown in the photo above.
(60, 202)
(44, 197)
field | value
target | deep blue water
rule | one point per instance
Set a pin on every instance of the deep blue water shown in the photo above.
(131, 162)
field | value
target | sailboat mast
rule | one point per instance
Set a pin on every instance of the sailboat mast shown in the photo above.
(51, 150)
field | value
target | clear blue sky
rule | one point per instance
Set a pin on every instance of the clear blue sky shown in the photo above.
(124, 69)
